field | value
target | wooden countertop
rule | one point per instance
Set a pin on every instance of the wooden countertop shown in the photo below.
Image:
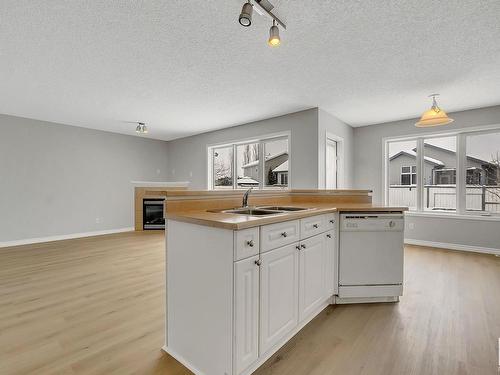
(236, 222)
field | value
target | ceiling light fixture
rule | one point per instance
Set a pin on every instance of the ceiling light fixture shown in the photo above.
(434, 116)
(141, 128)
(274, 36)
(263, 8)
(246, 14)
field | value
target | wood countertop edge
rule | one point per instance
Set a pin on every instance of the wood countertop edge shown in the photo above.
(232, 221)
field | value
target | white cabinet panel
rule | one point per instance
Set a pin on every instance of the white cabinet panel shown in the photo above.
(278, 295)
(246, 312)
(330, 221)
(246, 243)
(280, 234)
(311, 226)
(312, 275)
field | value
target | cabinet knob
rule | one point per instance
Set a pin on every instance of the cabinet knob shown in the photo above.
(297, 247)
(284, 234)
(392, 224)
(250, 243)
(303, 246)
(329, 235)
(332, 221)
(315, 226)
(258, 262)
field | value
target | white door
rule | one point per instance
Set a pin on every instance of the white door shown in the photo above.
(331, 164)
(312, 275)
(331, 264)
(246, 315)
(278, 294)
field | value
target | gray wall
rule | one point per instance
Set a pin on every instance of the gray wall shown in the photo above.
(369, 175)
(187, 157)
(57, 179)
(331, 124)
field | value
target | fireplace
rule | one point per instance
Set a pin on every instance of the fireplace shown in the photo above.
(153, 217)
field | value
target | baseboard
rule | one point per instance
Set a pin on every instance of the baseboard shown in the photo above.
(453, 246)
(70, 236)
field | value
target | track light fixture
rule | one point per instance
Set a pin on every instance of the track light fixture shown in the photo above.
(264, 8)
(246, 14)
(141, 128)
(274, 35)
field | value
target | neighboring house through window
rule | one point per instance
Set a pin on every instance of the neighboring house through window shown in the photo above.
(251, 170)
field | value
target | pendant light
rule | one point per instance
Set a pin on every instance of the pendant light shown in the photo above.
(141, 128)
(245, 18)
(274, 35)
(434, 116)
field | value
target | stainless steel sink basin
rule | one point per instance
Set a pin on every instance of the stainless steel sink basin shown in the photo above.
(284, 208)
(252, 211)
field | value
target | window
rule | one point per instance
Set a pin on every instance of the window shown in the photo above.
(409, 175)
(222, 167)
(457, 172)
(483, 173)
(276, 162)
(402, 173)
(440, 173)
(250, 168)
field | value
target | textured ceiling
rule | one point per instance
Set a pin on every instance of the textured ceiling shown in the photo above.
(186, 67)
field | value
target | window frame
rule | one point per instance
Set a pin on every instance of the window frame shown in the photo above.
(461, 170)
(261, 140)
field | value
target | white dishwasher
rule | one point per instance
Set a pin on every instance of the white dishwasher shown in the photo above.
(371, 256)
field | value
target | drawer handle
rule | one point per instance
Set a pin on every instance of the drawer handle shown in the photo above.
(284, 234)
(315, 226)
(250, 243)
(332, 221)
(329, 235)
(258, 262)
(303, 246)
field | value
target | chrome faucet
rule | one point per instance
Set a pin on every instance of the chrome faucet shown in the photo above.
(245, 197)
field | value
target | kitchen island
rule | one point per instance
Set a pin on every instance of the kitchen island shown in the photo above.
(240, 284)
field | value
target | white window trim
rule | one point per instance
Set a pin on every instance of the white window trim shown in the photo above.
(461, 136)
(260, 140)
(340, 159)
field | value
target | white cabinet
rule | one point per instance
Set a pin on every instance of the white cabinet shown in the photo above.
(246, 312)
(331, 263)
(312, 275)
(279, 234)
(279, 272)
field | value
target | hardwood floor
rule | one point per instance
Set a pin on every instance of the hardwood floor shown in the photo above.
(96, 305)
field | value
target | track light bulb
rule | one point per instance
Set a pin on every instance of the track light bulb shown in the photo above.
(274, 36)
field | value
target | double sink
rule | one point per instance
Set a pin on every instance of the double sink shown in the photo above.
(261, 211)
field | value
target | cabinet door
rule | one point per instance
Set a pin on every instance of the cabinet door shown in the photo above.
(246, 318)
(312, 274)
(279, 295)
(331, 264)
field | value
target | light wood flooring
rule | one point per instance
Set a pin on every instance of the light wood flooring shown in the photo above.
(96, 306)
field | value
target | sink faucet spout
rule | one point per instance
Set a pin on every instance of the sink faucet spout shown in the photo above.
(245, 197)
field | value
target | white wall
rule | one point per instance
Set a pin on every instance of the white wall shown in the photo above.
(187, 157)
(57, 179)
(369, 175)
(331, 124)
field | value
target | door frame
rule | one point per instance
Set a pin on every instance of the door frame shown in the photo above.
(340, 158)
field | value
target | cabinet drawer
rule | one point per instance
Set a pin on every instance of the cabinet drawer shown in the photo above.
(279, 234)
(330, 221)
(246, 243)
(311, 226)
